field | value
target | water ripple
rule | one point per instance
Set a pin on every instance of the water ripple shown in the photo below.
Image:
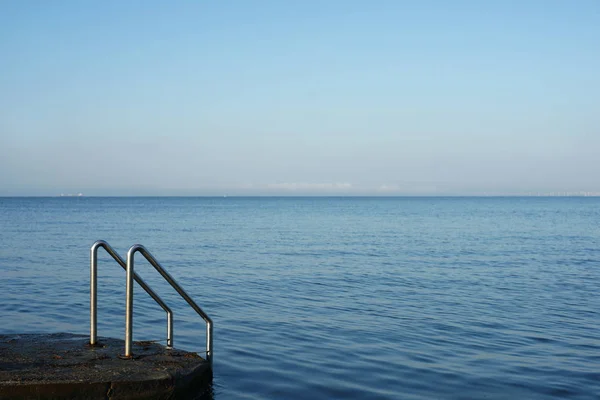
(332, 298)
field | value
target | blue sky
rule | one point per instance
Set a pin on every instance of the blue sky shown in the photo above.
(312, 97)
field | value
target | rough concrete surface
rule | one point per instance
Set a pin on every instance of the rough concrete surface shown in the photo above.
(65, 366)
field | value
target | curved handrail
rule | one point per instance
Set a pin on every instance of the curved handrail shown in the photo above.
(140, 281)
(129, 300)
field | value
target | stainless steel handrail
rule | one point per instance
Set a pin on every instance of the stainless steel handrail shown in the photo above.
(129, 300)
(140, 281)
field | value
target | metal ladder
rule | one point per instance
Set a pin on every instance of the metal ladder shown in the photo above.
(131, 276)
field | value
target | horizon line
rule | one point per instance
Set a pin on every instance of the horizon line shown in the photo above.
(307, 196)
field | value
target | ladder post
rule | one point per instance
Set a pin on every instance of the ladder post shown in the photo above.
(129, 306)
(93, 294)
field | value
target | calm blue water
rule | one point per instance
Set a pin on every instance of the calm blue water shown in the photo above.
(322, 298)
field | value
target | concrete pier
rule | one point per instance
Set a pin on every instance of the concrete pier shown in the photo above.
(65, 366)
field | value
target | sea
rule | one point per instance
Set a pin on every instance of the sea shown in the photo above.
(330, 297)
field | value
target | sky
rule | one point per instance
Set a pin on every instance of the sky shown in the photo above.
(324, 97)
